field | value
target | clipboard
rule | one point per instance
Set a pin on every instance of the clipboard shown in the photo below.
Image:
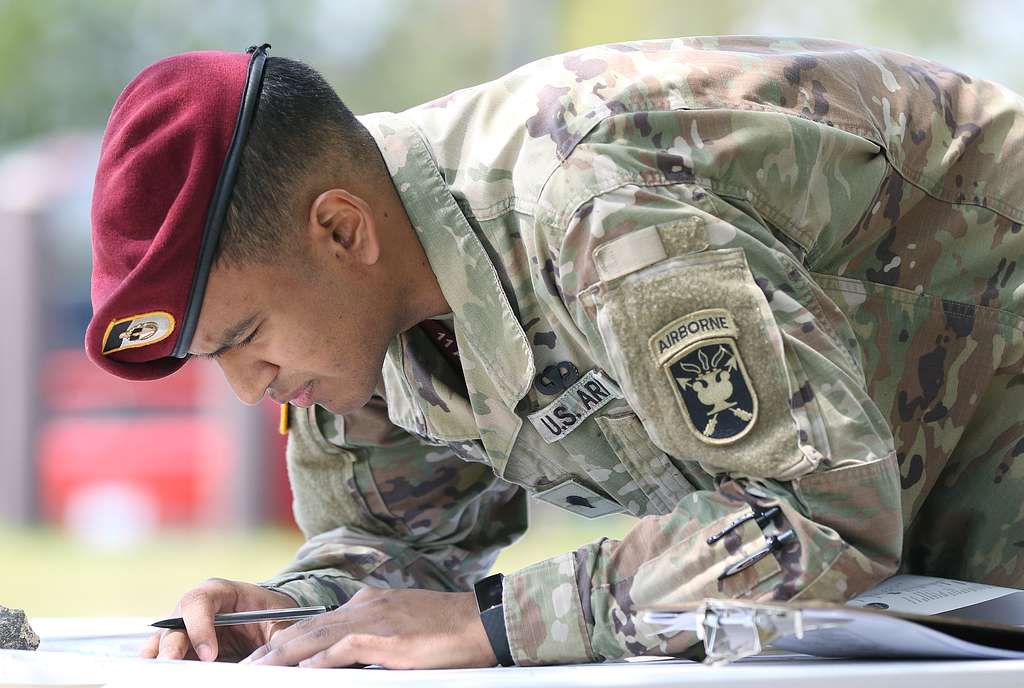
(733, 629)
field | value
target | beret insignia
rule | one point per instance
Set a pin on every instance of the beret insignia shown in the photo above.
(137, 330)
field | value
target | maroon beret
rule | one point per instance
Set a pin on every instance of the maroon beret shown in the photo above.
(167, 168)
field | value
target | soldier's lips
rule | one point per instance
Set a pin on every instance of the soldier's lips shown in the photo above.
(303, 396)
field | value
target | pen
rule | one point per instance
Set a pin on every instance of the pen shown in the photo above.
(235, 618)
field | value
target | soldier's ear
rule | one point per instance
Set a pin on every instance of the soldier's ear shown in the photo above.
(342, 224)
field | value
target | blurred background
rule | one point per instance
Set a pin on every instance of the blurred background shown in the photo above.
(116, 497)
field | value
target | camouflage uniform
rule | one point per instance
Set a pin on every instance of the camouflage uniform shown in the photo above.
(692, 280)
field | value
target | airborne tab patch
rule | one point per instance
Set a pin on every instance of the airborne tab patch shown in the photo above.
(699, 355)
(136, 331)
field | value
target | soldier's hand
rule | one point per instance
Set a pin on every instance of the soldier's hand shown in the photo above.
(201, 639)
(397, 629)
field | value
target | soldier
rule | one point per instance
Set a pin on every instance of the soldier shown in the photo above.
(759, 293)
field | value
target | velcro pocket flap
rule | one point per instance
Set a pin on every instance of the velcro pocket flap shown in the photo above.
(698, 355)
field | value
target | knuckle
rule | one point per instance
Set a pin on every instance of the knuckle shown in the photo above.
(282, 638)
(172, 638)
(194, 596)
(323, 633)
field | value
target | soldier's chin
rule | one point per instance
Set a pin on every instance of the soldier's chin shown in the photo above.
(344, 405)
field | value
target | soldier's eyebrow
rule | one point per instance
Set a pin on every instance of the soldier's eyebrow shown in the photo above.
(231, 337)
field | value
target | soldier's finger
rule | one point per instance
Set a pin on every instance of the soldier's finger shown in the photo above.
(151, 647)
(256, 654)
(198, 608)
(173, 645)
(282, 635)
(304, 646)
(357, 651)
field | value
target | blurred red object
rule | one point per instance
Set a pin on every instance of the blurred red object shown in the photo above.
(180, 466)
(158, 448)
(71, 382)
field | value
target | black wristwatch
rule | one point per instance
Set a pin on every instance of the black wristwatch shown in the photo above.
(492, 615)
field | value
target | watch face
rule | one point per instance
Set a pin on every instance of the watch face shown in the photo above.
(488, 592)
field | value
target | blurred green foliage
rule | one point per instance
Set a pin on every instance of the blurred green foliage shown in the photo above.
(63, 62)
(53, 574)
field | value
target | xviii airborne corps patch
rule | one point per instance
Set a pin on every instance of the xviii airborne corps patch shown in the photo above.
(699, 355)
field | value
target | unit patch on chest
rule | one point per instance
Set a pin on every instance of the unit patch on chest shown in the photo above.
(574, 405)
(698, 353)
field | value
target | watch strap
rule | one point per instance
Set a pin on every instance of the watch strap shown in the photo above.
(492, 615)
(494, 625)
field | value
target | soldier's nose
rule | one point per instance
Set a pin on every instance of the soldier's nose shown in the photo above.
(249, 381)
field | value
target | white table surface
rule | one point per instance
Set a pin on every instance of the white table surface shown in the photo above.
(97, 652)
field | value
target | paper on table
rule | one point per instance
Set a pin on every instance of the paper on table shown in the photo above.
(927, 595)
(72, 669)
(852, 633)
(107, 636)
(733, 629)
(52, 669)
(51, 685)
(842, 632)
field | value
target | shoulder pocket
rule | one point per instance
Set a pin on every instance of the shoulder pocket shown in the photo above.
(699, 357)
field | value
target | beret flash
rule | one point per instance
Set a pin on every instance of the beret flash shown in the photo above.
(167, 168)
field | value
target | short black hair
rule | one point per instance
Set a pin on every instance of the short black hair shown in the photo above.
(302, 137)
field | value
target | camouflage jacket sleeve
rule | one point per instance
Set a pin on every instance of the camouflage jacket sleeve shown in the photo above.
(646, 259)
(381, 508)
